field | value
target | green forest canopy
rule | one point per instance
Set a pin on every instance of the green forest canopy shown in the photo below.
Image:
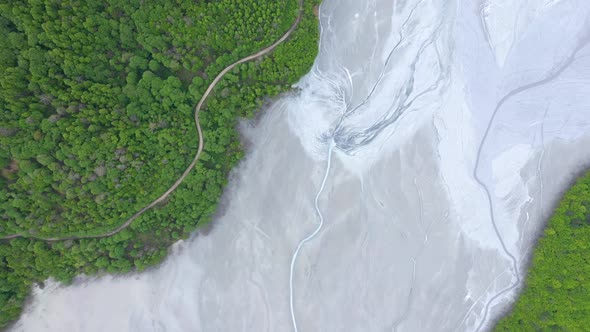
(556, 296)
(97, 101)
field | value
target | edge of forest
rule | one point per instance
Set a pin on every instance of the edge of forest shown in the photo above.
(574, 177)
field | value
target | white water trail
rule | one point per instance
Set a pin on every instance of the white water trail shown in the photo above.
(310, 236)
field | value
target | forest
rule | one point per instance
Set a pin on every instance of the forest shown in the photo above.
(97, 121)
(556, 295)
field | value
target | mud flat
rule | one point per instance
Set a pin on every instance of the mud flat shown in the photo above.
(455, 125)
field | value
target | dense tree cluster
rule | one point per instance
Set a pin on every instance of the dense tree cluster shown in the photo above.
(97, 100)
(556, 296)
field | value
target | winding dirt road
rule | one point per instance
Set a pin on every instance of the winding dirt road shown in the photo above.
(199, 150)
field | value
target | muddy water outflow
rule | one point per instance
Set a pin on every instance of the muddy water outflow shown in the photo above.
(355, 125)
(389, 96)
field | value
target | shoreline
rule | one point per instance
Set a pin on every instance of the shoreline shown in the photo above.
(581, 167)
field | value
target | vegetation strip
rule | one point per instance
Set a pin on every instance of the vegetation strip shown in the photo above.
(556, 295)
